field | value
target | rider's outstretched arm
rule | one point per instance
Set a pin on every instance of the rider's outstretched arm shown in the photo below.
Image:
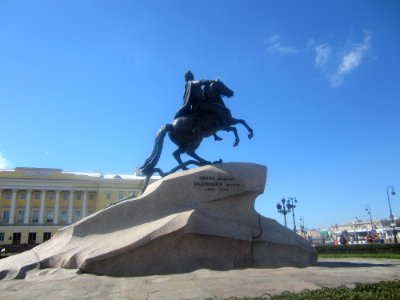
(204, 82)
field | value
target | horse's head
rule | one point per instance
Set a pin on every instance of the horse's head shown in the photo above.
(217, 89)
(221, 88)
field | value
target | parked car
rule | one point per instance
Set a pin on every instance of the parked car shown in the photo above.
(373, 239)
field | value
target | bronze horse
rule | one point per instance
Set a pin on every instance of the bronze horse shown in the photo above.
(187, 132)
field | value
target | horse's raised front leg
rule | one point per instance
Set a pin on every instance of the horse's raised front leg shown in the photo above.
(234, 121)
(231, 128)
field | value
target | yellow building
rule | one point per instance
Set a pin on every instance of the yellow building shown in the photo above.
(36, 202)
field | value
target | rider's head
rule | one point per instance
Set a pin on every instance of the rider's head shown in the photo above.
(189, 76)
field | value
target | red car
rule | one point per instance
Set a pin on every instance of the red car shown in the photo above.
(372, 238)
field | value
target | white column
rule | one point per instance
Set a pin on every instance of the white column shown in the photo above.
(12, 209)
(71, 206)
(42, 207)
(56, 207)
(27, 206)
(84, 204)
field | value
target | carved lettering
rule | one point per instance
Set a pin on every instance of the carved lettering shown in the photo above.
(214, 184)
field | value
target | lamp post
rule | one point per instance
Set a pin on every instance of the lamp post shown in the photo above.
(302, 227)
(287, 206)
(391, 214)
(368, 210)
(291, 204)
(355, 223)
(283, 209)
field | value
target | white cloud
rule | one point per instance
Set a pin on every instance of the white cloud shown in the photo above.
(322, 53)
(344, 61)
(3, 162)
(274, 45)
(353, 58)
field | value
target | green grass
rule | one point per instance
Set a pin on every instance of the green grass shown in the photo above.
(361, 255)
(385, 290)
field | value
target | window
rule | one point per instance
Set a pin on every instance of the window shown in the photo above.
(91, 196)
(108, 196)
(20, 216)
(6, 216)
(64, 216)
(35, 216)
(78, 196)
(22, 195)
(36, 196)
(51, 196)
(65, 196)
(8, 195)
(46, 236)
(1, 236)
(77, 215)
(16, 238)
(32, 238)
(50, 216)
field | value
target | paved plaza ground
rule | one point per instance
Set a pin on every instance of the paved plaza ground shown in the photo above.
(200, 284)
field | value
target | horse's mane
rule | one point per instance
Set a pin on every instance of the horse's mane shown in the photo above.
(212, 96)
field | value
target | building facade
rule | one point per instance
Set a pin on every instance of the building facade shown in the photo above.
(36, 202)
(358, 230)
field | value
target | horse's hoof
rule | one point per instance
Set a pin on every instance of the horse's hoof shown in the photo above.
(251, 134)
(236, 143)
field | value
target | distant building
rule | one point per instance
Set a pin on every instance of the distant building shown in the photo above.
(36, 202)
(312, 235)
(358, 230)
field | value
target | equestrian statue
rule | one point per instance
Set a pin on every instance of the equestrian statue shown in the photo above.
(202, 115)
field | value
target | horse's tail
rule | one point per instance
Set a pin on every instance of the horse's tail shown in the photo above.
(150, 163)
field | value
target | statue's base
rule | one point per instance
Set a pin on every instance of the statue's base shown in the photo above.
(201, 218)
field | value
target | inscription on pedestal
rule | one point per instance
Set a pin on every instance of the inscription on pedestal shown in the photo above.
(217, 184)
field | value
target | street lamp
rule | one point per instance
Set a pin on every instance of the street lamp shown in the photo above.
(302, 227)
(355, 225)
(291, 204)
(283, 209)
(391, 214)
(368, 210)
(286, 207)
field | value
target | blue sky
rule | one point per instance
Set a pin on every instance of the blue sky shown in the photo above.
(85, 85)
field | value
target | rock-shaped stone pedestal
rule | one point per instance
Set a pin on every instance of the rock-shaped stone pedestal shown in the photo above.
(200, 218)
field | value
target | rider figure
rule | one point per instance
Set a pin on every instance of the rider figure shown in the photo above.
(192, 95)
(194, 100)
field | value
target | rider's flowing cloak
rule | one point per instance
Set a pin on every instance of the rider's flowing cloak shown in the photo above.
(186, 108)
